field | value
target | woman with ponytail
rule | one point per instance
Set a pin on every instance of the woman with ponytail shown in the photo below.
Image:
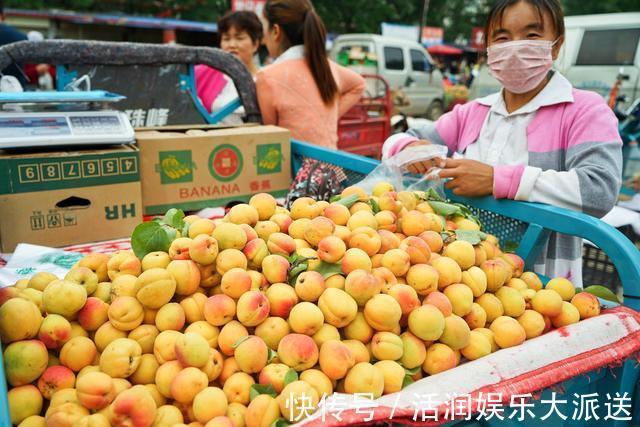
(303, 90)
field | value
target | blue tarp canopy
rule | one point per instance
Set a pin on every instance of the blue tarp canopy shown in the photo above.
(117, 20)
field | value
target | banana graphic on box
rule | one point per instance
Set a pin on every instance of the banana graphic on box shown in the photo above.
(271, 160)
(173, 168)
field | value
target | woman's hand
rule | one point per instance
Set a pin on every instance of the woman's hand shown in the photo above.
(468, 177)
(423, 166)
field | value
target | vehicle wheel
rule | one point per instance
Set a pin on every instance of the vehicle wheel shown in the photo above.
(435, 110)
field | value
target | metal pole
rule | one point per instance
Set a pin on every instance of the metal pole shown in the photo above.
(423, 19)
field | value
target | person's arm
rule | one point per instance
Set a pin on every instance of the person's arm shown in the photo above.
(226, 95)
(351, 87)
(594, 168)
(209, 83)
(266, 100)
(442, 132)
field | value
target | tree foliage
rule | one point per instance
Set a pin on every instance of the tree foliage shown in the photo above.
(584, 7)
(365, 16)
(458, 17)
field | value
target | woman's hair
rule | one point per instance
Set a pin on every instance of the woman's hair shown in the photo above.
(552, 6)
(302, 26)
(242, 21)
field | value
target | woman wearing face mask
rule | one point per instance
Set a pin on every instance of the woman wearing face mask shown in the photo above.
(240, 35)
(537, 140)
(302, 90)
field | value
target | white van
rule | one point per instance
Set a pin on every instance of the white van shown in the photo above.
(404, 64)
(596, 49)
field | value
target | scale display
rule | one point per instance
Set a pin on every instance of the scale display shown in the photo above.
(45, 126)
(18, 130)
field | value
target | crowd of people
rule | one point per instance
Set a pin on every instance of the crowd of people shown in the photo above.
(459, 71)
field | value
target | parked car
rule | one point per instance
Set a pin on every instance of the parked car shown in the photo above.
(596, 49)
(404, 64)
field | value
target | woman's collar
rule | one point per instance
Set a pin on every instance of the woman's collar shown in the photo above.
(294, 52)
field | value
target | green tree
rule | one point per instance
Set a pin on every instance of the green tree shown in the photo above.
(457, 17)
(351, 16)
(585, 7)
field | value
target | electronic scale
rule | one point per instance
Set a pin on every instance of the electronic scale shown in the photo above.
(61, 119)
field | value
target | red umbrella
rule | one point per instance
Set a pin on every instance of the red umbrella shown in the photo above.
(443, 49)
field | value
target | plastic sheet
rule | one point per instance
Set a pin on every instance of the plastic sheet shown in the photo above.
(394, 170)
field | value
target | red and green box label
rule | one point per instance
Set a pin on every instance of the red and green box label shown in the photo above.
(225, 163)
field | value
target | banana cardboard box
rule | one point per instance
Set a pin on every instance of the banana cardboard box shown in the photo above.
(58, 198)
(194, 167)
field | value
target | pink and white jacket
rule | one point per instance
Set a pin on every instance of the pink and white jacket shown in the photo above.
(564, 141)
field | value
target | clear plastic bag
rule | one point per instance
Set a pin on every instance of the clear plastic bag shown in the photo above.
(393, 170)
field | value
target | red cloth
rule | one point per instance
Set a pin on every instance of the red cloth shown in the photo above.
(209, 84)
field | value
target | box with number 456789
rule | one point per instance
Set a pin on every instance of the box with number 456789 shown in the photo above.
(56, 198)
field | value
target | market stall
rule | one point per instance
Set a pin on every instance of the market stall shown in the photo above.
(390, 302)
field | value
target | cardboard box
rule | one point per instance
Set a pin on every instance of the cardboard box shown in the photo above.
(55, 198)
(194, 168)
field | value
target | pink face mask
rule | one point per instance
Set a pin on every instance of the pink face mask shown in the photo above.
(521, 65)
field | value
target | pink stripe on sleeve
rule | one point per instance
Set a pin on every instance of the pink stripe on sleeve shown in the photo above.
(209, 83)
(597, 123)
(447, 128)
(400, 144)
(562, 126)
(506, 181)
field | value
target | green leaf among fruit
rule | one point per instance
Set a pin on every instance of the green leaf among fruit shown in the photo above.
(258, 389)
